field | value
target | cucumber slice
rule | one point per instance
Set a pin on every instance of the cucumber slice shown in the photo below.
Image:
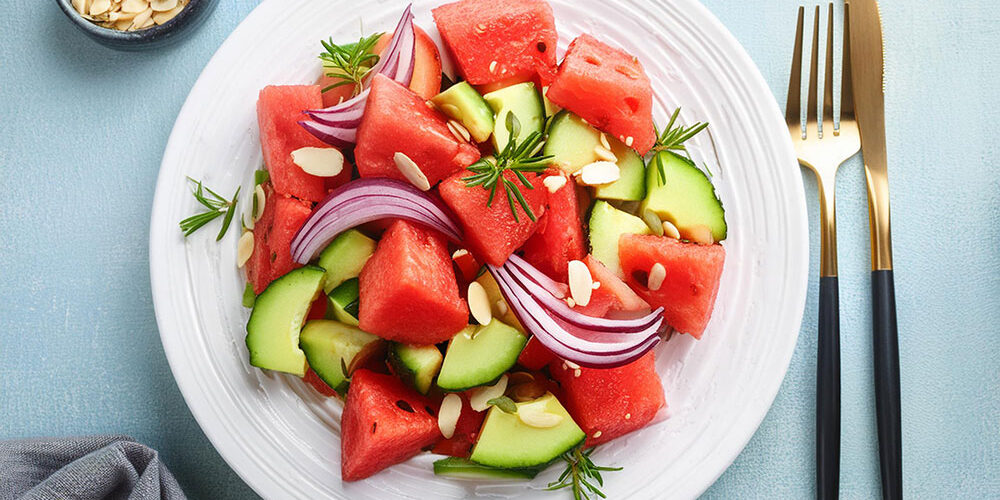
(344, 257)
(631, 186)
(525, 102)
(479, 356)
(687, 198)
(461, 467)
(342, 303)
(461, 102)
(416, 365)
(507, 442)
(571, 142)
(277, 317)
(330, 347)
(607, 225)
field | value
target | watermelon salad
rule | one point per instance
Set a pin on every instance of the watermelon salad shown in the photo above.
(478, 264)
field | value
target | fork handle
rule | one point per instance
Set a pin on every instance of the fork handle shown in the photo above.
(887, 406)
(828, 391)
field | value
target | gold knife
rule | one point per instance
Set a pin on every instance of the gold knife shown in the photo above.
(868, 85)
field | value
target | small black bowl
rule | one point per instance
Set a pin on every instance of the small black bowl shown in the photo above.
(186, 20)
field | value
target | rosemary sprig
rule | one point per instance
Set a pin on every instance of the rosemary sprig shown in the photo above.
(673, 138)
(217, 207)
(350, 62)
(515, 157)
(580, 474)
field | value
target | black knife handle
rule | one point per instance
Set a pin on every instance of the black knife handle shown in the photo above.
(887, 406)
(828, 391)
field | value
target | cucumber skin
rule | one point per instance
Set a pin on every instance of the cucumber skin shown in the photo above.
(461, 467)
(263, 358)
(403, 368)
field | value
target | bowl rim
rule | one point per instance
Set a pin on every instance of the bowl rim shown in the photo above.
(137, 36)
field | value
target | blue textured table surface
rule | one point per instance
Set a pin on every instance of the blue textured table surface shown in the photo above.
(82, 130)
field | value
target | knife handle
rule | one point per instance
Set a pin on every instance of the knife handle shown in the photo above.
(828, 391)
(887, 405)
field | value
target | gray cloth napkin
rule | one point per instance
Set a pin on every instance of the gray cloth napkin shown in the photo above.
(90, 467)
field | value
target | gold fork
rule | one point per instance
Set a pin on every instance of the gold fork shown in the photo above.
(823, 145)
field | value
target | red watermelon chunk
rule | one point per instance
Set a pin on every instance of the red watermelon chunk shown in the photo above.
(688, 291)
(535, 356)
(279, 109)
(612, 401)
(408, 291)
(312, 378)
(273, 234)
(624, 298)
(491, 232)
(384, 423)
(397, 120)
(559, 237)
(466, 432)
(493, 40)
(608, 88)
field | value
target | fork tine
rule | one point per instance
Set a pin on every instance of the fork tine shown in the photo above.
(793, 106)
(813, 74)
(828, 75)
(846, 89)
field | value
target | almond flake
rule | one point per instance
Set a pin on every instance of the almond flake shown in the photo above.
(459, 131)
(141, 18)
(479, 303)
(480, 28)
(577, 373)
(99, 7)
(554, 182)
(628, 416)
(448, 413)
(581, 283)
(604, 153)
(653, 221)
(571, 365)
(596, 285)
(149, 22)
(135, 6)
(411, 171)
(244, 249)
(604, 141)
(493, 66)
(482, 395)
(261, 199)
(628, 141)
(461, 252)
(599, 172)
(570, 302)
(537, 416)
(163, 5)
(670, 230)
(597, 434)
(700, 234)
(321, 162)
(656, 275)
(163, 17)
(80, 6)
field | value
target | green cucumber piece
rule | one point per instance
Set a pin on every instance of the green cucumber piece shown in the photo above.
(479, 355)
(607, 225)
(507, 442)
(631, 185)
(416, 365)
(461, 467)
(525, 102)
(277, 318)
(687, 198)
(330, 347)
(344, 257)
(342, 303)
(571, 142)
(461, 102)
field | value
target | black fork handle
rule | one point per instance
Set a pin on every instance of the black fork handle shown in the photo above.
(887, 406)
(828, 391)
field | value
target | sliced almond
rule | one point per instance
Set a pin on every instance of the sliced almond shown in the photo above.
(163, 17)
(479, 303)
(149, 22)
(570, 302)
(604, 153)
(537, 416)
(571, 365)
(481, 396)
(461, 252)
(244, 249)
(459, 131)
(656, 275)
(604, 141)
(493, 66)
(628, 141)
(411, 171)
(123, 24)
(135, 6)
(141, 18)
(261, 199)
(653, 221)
(99, 7)
(80, 6)
(599, 172)
(163, 5)
(321, 162)
(581, 283)
(451, 409)
(700, 234)
(670, 230)
(554, 182)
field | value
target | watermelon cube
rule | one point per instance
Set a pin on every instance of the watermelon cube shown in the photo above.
(397, 120)
(493, 40)
(279, 109)
(687, 292)
(491, 232)
(535, 356)
(408, 292)
(559, 237)
(384, 423)
(609, 403)
(607, 87)
(273, 234)
(624, 298)
(466, 431)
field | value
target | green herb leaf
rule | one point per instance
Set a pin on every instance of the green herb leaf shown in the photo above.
(216, 206)
(260, 177)
(249, 298)
(579, 473)
(673, 139)
(350, 62)
(505, 404)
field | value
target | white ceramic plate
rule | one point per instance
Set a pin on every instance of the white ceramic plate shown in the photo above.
(283, 439)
